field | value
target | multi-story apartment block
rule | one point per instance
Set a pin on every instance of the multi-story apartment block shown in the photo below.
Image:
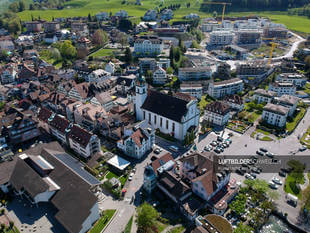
(195, 73)
(148, 46)
(217, 113)
(221, 37)
(33, 26)
(59, 127)
(249, 37)
(275, 32)
(97, 76)
(255, 70)
(209, 26)
(288, 101)
(80, 29)
(282, 88)
(8, 74)
(298, 80)
(51, 26)
(234, 101)
(223, 88)
(263, 96)
(275, 115)
(192, 89)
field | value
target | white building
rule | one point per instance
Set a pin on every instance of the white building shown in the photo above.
(217, 113)
(178, 116)
(137, 141)
(298, 80)
(98, 76)
(282, 88)
(159, 76)
(274, 114)
(8, 75)
(122, 14)
(221, 37)
(234, 101)
(263, 96)
(148, 45)
(227, 87)
(83, 142)
(192, 89)
(192, 16)
(288, 101)
(50, 38)
(194, 73)
(110, 67)
(209, 26)
(102, 16)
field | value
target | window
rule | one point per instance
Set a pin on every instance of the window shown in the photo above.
(161, 122)
(143, 115)
(149, 118)
(155, 119)
(173, 126)
(167, 124)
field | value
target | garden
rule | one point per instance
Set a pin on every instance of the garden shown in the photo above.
(295, 178)
(109, 183)
(306, 138)
(103, 221)
(238, 126)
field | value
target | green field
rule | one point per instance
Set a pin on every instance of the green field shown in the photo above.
(84, 7)
(103, 52)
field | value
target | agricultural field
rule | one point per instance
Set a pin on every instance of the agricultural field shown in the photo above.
(84, 7)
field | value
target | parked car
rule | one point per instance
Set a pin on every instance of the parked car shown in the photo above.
(217, 150)
(157, 150)
(253, 175)
(248, 176)
(263, 149)
(214, 143)
(276, 180)
(240, 171)
(130, 176)
(208, 148)
(260, 153)
(269, 154)
(281, 173)
(303, 148)
(273, 185)
(174, 148)
(219, 138)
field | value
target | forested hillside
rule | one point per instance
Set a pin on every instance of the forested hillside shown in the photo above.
(304, 11)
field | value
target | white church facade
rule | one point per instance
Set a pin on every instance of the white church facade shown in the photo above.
(171, 114)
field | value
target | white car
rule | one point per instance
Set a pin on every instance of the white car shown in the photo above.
(273, 185)
(130, 176)
(248, 176)
(277, 181)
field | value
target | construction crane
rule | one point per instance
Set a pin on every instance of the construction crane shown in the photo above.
(219, 3)
(273, 46)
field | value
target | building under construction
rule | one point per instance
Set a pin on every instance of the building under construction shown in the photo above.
(249, 38)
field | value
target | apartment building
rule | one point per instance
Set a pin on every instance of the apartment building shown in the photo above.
(263, 96)
(33, 26)
(159, 76)
(223, 88)
(282, 88)
(192, 89)
(275, 115)
(217, 113)
(221, 37)
(298, 80)
(148, 46)
(209, 26)
(97, 76)
(235, 102)
(194, 73)
(51, 26)
(249, 37)
(289, 102)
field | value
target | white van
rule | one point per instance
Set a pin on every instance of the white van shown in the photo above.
(291, 199)
(174, 148)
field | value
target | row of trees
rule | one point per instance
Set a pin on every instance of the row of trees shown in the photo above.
(302, 11)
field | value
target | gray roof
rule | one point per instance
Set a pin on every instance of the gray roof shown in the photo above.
(288, 99)
(278, 109)
(265, 92)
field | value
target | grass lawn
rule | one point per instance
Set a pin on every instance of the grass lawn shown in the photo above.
(304, 140)
(178, 229)
(103, 221)
(262, 131)
(290, 126)
(205, 100)
(104, 149)
(128, 226)
(111, 175)
(253, 134)
(123, 180)
(102, 53)
(290, 187)
(253, 116)
(161, 226)
(265, 138)
(14, 230)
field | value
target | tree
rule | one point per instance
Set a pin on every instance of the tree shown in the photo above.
(66, 49)
(169, 70)
(14, 7)
(171, 53)
(146, 218)
(128, 56)
(239, 204)
(82, 52)
(243, 229)
(14, 26)
(122, 39)
(89, 17)
(21, 6)
(306, 198)
(100, 37)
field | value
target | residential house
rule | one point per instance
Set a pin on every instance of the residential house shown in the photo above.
(217, 113)
(148, 46)
(98, 76)
(263, 96)
(121, 14)
(103, 99)
(46, 174)
(194, 73)
(125, 84)
(50, 38)
(82, 142)
(223, 88)
(179, 116)
(235, 102)
(59, 126)
(150, 15)
(282, 88)
(275, 115)
(166, 14)
(159, 76)
(8, 74)
(137, 141)
(101, 16)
